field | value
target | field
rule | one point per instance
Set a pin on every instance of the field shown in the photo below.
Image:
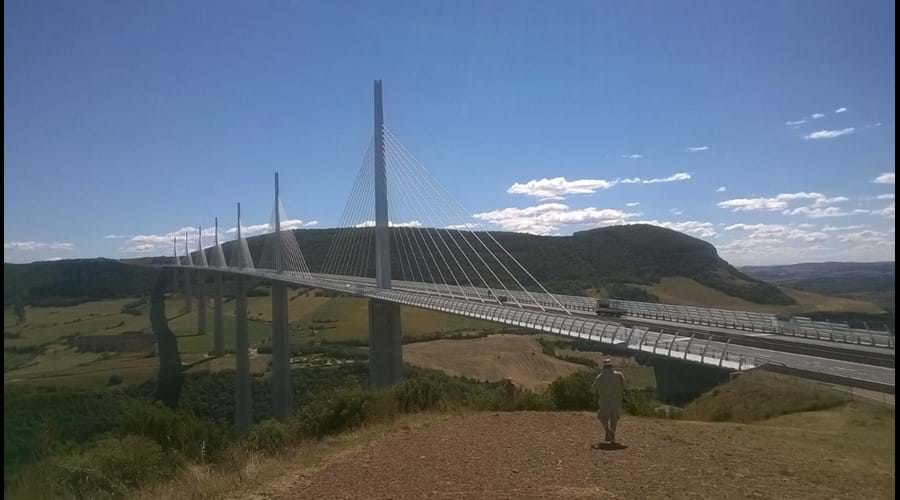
(686, 291)
(44, 350)
(843, 452)
(516, 357)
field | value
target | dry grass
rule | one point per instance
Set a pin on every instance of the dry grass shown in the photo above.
(253, 475)
(492, 358)
(686, 291)
(760, 395)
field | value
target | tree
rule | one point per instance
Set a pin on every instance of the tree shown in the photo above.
(19, 309)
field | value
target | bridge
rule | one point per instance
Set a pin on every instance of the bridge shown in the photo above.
(404, 240)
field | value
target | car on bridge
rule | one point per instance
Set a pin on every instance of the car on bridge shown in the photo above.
(602, 308)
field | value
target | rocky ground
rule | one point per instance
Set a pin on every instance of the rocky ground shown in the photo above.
(549, 455)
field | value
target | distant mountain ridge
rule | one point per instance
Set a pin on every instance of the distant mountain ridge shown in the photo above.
(587, 260)
(873, 281)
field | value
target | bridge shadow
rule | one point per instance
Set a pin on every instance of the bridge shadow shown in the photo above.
(609, 446)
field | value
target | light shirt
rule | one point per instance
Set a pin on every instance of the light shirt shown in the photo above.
(610, 387)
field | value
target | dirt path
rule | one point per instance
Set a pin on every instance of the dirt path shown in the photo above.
(548, 455)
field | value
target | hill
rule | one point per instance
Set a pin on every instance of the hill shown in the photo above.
(605, 261)
(865, 280)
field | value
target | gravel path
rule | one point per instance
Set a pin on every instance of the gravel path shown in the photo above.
(549, 455)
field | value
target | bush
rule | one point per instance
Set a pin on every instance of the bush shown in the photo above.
(329, 413)
(114, 380)
(112, 466)
(268, 436)
(176, 430)
(573, 392)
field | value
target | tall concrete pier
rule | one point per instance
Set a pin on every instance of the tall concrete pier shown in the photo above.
(188, 293)
(201, 290)
(243, 398)
(282, 393)
(385, 333)
(218, 312)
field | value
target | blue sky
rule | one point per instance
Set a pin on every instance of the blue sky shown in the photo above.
(126, 121)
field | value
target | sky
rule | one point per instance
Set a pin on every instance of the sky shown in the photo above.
(765, 128)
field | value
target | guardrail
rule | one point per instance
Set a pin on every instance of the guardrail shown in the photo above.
(800, 326)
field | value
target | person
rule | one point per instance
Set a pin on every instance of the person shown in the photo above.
(610, 389)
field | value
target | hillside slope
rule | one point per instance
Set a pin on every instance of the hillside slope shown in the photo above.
(594, 261)
(549, 455)
(873, 281)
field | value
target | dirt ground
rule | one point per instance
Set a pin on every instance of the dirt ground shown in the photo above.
(549, 455)
(495, 357)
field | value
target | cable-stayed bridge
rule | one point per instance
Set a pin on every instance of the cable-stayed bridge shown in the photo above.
(404, 240)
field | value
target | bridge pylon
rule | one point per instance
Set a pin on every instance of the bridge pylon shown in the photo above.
(282, 394)
(385, 333)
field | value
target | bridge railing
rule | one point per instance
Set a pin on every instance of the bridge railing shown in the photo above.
(800, 326)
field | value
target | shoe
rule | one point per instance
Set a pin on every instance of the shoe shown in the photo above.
(608, 438)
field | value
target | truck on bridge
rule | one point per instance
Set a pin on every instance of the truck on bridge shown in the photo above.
(602, 308)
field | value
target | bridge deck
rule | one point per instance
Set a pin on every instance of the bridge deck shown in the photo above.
(708, 351)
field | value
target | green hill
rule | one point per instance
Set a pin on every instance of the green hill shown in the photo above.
(605, 260)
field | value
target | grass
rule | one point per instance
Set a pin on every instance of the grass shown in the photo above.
(46, 325)
(686, 291)
(759, 395)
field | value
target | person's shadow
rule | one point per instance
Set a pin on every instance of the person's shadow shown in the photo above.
(609, 446)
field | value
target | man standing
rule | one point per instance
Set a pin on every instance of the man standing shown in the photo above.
(610, 388)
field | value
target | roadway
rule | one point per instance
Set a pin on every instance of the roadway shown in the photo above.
(709, 350)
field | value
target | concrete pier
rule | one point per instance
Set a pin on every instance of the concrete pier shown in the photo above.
(219, 320)
(201, 302)
(282, 393)
(243, 398)
(385, 344)
(678, 382)
(188, 300)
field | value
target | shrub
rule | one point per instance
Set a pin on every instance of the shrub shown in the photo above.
(268, 436)
(112, 466)
(573, 392)
(329, 413)
(176, 430)
(114, 380)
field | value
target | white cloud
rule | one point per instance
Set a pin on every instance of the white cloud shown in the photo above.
(675, 211)
(868, 237)
(633, 204)
(633, 157)
(885, 196)
(696, 228)
(798, 122)
(371, 223)
(843, 228)
(29, 246)
(816, 116)
(559, 186)
(781, 202)
(721, 189)
(146, 243)
(53, 259)
(840, 110)
(885, 178)
(887, 211)
(467, 225)
(829, 134)
(114, 236)
(814, 212)
(874, 125)
(748, 204)
(777, 232)
(680, 176)
(547, 218)
(694, 149)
